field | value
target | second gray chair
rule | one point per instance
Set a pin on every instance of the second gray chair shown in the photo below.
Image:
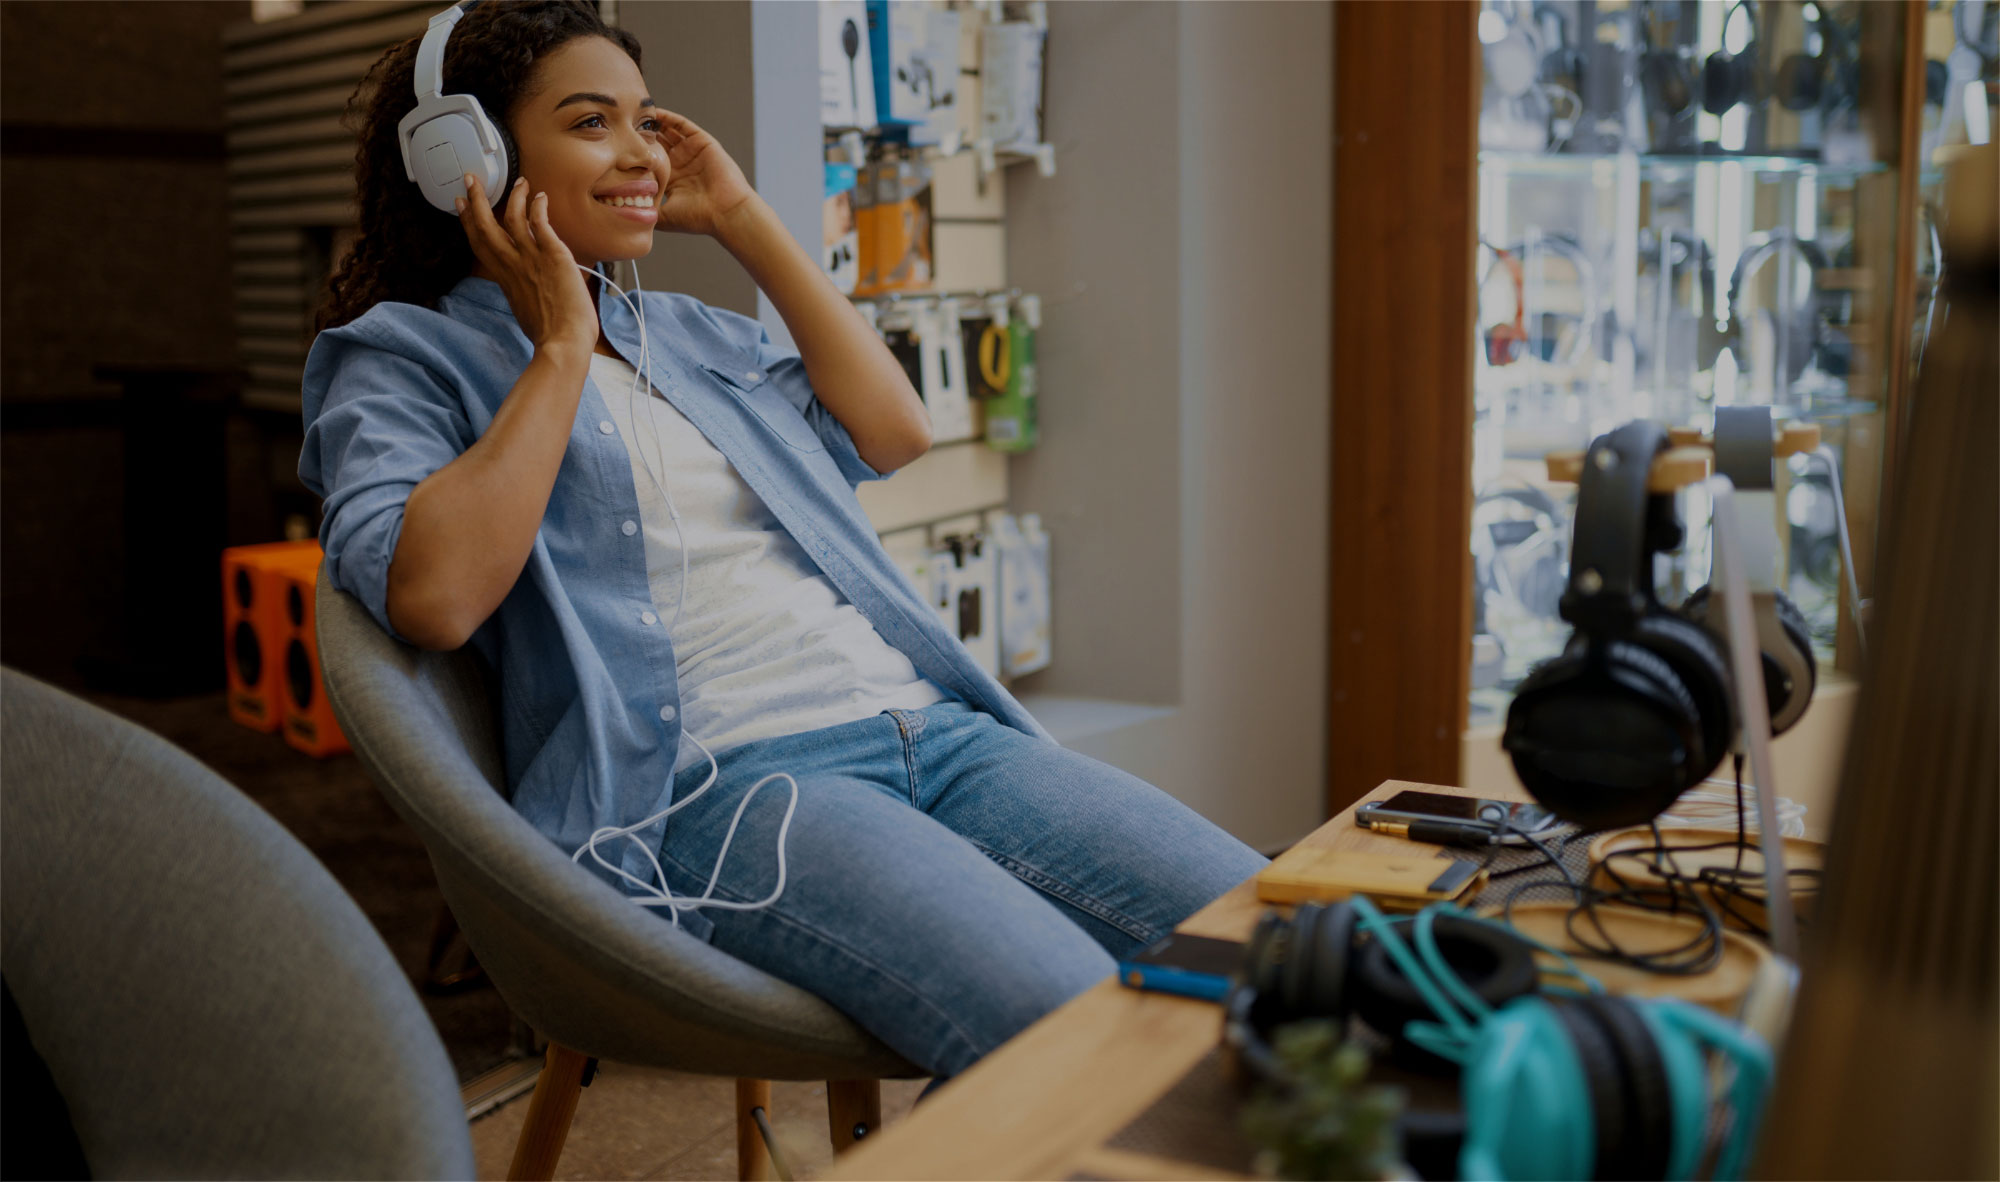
(206, 999)
(597, 976)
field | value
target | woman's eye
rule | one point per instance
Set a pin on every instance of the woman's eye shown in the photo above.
(589, 119)
(650, 125)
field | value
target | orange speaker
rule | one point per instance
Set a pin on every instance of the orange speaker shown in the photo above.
(308, 721)
(251, 627)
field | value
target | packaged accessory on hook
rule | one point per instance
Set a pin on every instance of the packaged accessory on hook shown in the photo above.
(1011, 418)
(1023, 551)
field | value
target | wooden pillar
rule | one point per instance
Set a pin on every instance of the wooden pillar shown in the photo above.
(1406, 108)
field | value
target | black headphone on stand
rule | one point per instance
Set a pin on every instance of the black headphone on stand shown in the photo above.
(1832, 75)
(1743, 453)
(1636, 709)
(1731, 78)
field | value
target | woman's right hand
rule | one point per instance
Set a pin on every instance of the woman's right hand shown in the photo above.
(540, 277)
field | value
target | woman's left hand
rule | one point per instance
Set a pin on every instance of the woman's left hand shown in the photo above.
(703, 184)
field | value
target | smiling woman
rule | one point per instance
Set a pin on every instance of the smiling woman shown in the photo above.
(641, 511)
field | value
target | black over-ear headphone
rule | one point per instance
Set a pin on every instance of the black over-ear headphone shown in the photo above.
(1731, 78)
(1318, 964)
(1743, 453)
(1636, 709)
(1808, 328)
(1806, 79)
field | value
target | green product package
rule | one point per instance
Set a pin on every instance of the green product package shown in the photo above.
(1010, 418)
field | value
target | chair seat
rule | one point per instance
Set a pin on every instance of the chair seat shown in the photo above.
(572, 956)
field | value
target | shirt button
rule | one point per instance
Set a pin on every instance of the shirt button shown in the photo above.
(630, 528)
(667, 713)
(754, 376)
(648, 618)
(604, 428)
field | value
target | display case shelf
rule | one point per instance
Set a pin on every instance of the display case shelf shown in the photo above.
(1669, 166)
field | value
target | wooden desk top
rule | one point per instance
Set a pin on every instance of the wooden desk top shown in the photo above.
(1040, 1106)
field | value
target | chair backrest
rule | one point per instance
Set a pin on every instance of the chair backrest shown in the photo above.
(208, 1000)
(573, 958)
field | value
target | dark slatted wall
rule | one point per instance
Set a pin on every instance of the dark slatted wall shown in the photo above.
(291, 182)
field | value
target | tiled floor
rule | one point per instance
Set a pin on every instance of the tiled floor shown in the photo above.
(637, 1122)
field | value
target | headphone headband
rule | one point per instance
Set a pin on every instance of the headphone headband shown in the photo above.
(1763, 246)
(1607, 561)
(1743, 446)
(430, 54)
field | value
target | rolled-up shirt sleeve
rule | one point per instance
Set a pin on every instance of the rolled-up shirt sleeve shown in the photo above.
(786, 371)
(377, 424)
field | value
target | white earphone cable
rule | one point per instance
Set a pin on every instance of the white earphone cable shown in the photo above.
(662, 895)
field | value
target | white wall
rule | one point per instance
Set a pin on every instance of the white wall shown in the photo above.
(1184, 250)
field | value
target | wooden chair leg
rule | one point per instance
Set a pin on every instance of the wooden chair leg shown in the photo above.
(549, 1113)
(853, 1110)
(753, 1157)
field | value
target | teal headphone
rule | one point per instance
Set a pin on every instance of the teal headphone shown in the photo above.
(1578, 1086)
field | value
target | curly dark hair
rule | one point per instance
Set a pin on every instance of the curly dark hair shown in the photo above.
(405, 250)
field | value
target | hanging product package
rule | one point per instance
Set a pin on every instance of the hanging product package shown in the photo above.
(967, 595)
(867, 235)
(839, 233)
(915, 48)
(1010, 75)
(1023, 553)
(1010, 418)
(846, 75)
(903, 225)
(942, 372)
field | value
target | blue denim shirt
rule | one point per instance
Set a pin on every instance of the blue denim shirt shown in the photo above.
(590, 706)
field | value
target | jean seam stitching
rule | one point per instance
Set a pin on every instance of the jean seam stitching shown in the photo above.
(1058, 889)
(909, 755)
(844, 949)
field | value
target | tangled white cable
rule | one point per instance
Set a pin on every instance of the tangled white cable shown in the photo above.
(662, 895)
(1701, 808)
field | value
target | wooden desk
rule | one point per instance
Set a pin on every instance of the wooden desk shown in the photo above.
(1040, 1106)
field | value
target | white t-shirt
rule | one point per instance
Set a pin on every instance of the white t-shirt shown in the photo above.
(765, 644)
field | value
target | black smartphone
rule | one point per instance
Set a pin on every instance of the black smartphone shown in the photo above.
(1407, 807)
(1192, 966)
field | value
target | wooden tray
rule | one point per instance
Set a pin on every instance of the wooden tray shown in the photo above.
(1721, 988)
(1800, 854)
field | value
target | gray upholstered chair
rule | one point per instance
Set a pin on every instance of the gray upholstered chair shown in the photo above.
(207, 1000)
(598, 977)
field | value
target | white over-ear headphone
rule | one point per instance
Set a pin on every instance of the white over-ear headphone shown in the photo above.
(448, 135)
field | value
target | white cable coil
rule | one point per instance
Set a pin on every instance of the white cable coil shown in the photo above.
(662, 895)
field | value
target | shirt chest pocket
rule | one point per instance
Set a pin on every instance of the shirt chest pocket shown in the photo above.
(755, 390)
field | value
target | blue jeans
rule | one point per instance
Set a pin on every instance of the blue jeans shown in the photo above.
(949, 879)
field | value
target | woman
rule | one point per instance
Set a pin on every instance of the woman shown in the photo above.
(668, 566)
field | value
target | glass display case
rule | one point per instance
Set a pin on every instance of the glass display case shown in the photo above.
(1681, 205)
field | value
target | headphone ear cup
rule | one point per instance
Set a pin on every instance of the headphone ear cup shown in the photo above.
(1293, 977)
(1616, 740)
(1647, 1131)
(1721, 84)
(510, 163)
(1793, 621)
(1330, 951)
(1703, 675)
(1598, 1059)
(1799, 82)
(1498, 968)
(1784, 695)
